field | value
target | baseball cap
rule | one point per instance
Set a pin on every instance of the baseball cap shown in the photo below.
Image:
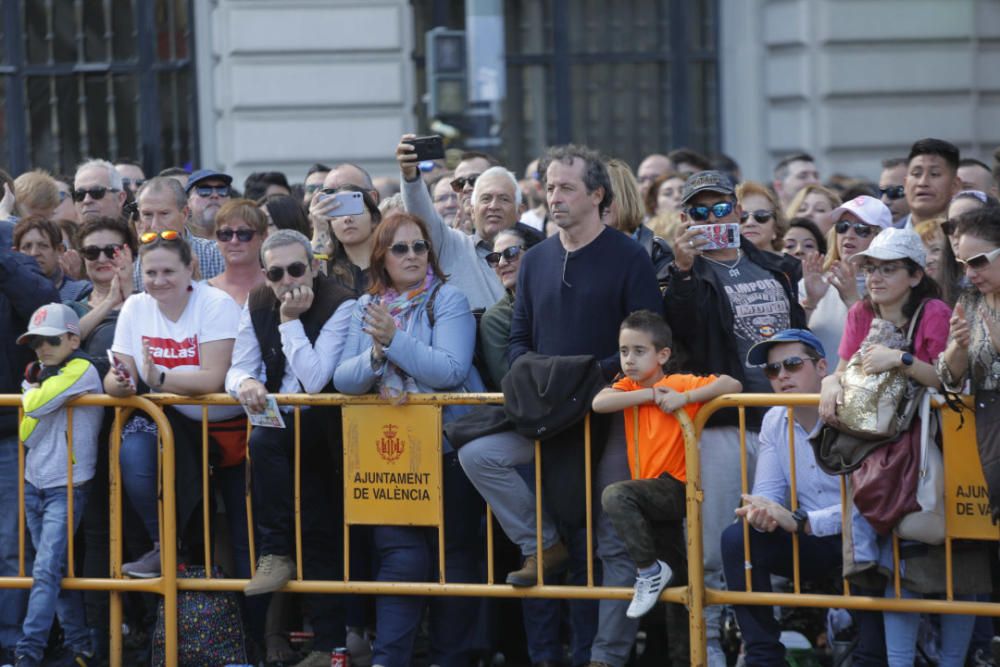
(869, 210)
(204, 175)
(707, 181)
(51, 320)
(895, 243)
(757, 356)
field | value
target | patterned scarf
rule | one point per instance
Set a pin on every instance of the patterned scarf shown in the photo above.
(395, 383)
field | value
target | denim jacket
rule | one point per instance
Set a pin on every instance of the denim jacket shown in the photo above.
(438, 358)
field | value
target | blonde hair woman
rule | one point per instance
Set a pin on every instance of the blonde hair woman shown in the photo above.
(762, 222)
(816, 203)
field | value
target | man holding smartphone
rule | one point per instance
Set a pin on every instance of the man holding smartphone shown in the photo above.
(720, 303)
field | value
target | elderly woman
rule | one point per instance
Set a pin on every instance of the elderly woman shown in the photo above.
(415, 333)
(762, 222)
(240, 229)
(177, 337)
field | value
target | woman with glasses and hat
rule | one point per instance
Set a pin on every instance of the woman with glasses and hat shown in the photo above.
(413, 332)
(899, 289)
(177, 337)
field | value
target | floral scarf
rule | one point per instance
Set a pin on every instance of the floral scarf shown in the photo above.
(395, 383)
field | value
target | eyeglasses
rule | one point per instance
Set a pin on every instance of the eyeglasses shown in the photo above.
(167, 235)
(459, 183)
(720, 210)
(207, 190)
(226, 235)
(892, 192)
(93, 252)
(419, 247)
(760, 215)
(980, 261)
(138, 182)
(948, 227)
(860, 228)
(791, 364)
(509, 254)
(36, 341)
(95, 193)
(295, 270)
(885, 270)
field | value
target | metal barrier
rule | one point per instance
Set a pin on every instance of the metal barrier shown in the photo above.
(694, 595)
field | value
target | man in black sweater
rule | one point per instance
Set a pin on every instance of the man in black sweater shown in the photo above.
(573, 291)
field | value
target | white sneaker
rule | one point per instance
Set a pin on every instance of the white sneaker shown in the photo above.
(647, 591)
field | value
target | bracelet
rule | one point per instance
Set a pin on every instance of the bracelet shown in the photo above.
(321, 256)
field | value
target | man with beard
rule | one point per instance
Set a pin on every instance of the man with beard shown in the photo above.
(207, 191)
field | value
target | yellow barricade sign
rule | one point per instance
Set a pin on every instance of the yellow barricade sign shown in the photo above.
(967, 511)
(392, 465)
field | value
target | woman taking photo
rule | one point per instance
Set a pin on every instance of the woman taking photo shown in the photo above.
(414, 333)
(177, 337)
(898, 290)
(346, 239)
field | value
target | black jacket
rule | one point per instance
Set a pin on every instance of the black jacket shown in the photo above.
(701, 318)
(659, 251)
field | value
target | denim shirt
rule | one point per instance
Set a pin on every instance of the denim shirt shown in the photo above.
(438, 358)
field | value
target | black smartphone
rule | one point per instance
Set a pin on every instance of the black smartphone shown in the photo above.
(428, 148)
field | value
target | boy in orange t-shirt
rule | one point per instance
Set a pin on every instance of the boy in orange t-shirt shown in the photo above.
(655, 493)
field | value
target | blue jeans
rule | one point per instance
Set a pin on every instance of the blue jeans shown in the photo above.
(46, 513)
(139, 477)
(901, 633)
(12, 602)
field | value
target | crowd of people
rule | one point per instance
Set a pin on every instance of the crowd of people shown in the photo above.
(600, 283)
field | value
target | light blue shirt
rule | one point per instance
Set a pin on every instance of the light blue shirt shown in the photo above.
(818, 493)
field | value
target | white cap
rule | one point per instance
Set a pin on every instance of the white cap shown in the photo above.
(52, 319)
(895, 243)
(869, 210)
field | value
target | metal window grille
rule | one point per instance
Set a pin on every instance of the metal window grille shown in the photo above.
(629, 77)
(96, 78)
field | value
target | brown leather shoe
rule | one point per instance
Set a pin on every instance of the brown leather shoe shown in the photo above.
(554, 559)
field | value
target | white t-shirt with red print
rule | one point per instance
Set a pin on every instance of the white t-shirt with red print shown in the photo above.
(210, 315)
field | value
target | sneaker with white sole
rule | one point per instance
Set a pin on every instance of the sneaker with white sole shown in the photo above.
(146, 567)
(273, 572)
(647, 590)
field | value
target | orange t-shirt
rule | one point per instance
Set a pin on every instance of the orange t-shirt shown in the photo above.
(661, 441)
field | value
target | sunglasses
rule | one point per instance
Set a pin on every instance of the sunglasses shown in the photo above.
(860, 228)
(139, 182)
(419, 247)
(226, 235)
(892, 192)
(93, 252)
(510, 254)
(459, 183)
(207, 190)
(885, 270)
(791, 364)
(980, 261)
(760, 215)
(720, 210)
(295, 270)
(168, 235)
(311, 188)
(95, 193)
(36, 342)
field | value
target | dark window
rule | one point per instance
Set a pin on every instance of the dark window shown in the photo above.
(628, 77)
(96, 78)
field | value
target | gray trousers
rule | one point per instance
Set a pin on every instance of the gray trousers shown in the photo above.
(489, 463)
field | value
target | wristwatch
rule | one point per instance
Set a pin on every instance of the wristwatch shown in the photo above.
(906, 358)
(801, 517)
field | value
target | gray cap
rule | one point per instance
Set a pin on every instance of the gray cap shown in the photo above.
(52, 319)
(895, 243)
(707, 181)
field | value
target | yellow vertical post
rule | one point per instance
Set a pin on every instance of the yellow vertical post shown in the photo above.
(70, 567)
(298, 492)
(538, 513)
(845, 517)
(206, 501)
(20, 499)
(745, 488)
(588, 485)
(695, 547)
(489, 546)
(248, 497)
(115, 539)
(168, 530)
(794, 498)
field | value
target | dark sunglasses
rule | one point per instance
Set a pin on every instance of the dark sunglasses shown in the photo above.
(948, 227)
(207, 190)
(295, 270)
(459, 183)
(95, 193)
(419, 247)
(36, 341)
(980, 261)
(720, 210)
(760, 215)
(167, 235)
(93, 252)
(139, 182)
(892, 192)
(791, 364)
(510, 254)
(226, 235)
(860, 228)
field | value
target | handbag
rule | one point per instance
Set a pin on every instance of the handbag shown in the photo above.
(927, 524)
(885, 485)
(209, 626)
(228, 439)
(874, 406)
